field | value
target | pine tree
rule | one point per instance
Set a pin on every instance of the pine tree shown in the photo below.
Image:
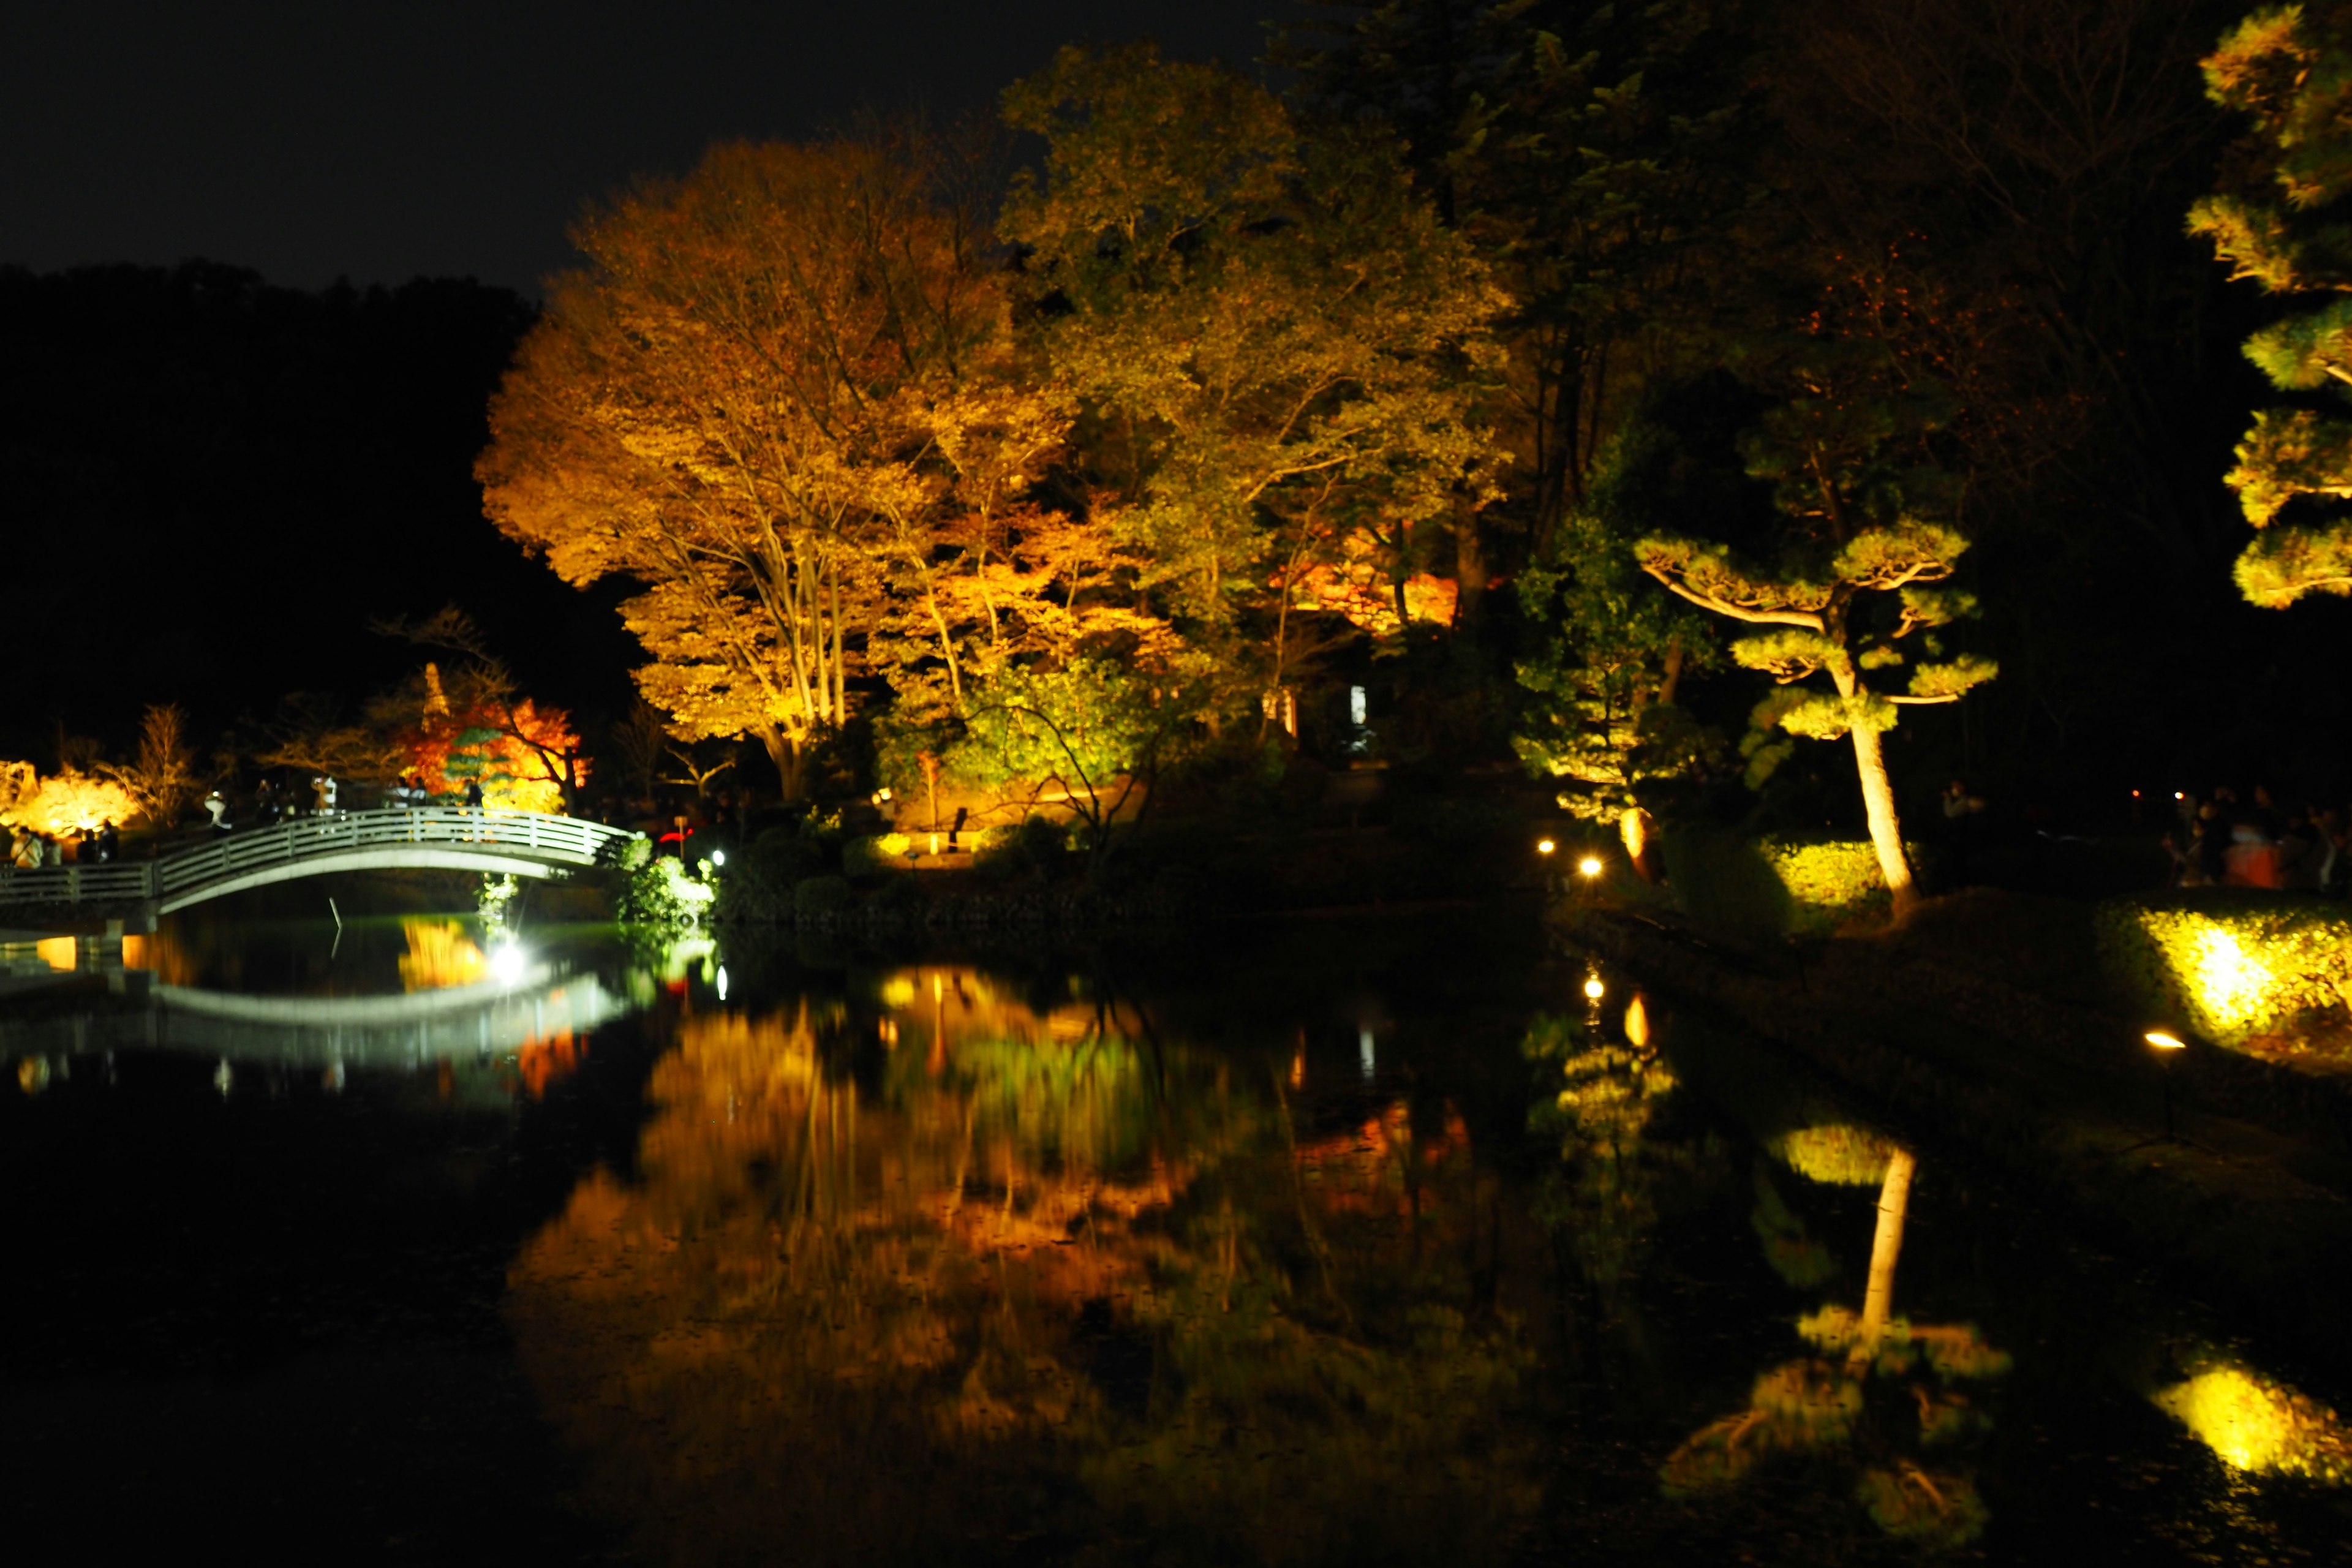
(2283, 227)
(1870, 538)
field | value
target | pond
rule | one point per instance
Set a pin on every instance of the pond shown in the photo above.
(1389, 1240)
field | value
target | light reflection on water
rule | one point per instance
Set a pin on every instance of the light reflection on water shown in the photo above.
(1303, 1260)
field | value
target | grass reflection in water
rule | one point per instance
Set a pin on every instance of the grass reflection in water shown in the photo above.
(952, 1270)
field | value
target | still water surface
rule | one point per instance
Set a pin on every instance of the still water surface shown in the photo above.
(1361, 1243)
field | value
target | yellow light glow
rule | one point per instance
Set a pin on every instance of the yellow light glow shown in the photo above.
(1545, 847)
(1590, 865)
(1593, 988)
(1631, 828)
(2230, 982)
(2253, 1424)
(57, 952)
(1637, 1024)
(2164, 1042)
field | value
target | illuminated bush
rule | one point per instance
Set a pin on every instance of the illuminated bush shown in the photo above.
(876, 854)
(1756, 888)
(659, 892)
(2253, 1424)
(2229, 963)
(1832, 882)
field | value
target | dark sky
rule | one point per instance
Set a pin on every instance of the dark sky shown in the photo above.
(378, 141)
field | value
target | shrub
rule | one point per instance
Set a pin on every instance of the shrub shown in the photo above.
(659, 892)
(818, 898)
(1830, 882)
(1037, 844)
(759, 878)
(1727, 886)
(1751, 889)
(2229, 963)
(872, 856)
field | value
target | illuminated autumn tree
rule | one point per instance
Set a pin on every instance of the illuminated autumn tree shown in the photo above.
(73, 803)
(770, 386)
(531, 752)
(448, 735)
(1869, 544)
(2291, 71)
(1277, 348)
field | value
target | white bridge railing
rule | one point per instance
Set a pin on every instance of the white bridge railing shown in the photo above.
(532, 835)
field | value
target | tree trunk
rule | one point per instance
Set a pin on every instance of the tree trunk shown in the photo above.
(1469, 566)
(785, 753)
(1886, 829)
(1878, 1296)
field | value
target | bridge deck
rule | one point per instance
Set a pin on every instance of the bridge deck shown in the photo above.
(518, 843)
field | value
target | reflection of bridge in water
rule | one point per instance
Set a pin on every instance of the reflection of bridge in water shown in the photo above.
(509, 843)
(491, 1019)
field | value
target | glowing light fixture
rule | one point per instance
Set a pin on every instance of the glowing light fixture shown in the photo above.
(722, 983)
(2164, 1042)
(507, 963)
(1545, 847)
(719, 857)
(1590, 865)
(1593, 988)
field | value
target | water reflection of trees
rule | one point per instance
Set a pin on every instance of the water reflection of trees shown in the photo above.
(958, 1274)
(1879, 1394)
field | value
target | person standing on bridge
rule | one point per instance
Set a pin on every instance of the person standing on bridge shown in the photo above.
(217, 806)
(474, 804)
(323, 787)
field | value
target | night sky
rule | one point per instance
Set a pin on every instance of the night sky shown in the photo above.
(380, 142)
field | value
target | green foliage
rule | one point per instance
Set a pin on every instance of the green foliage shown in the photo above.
(759, 878)
(2289, 70)
(494, 903)
(1037, 845)
(1287, 343)
(1795, 1256)
(1831, 882)
(817, 898)
(1083, 724)
(2226, 963)
(657, 892)
(1602, 1198)
(1836, 1154)
(875, 854)
(1727, 887)
(1601, 718)
(1755, 891)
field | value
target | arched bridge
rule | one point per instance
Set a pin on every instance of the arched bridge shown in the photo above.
(518, 843)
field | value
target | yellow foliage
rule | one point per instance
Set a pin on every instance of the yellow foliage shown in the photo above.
(1840, 1156)
(2229, 965)
(440, 955)
(71, 803)
(2254, 1423)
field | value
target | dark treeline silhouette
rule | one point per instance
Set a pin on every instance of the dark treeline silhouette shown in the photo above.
(210, 486)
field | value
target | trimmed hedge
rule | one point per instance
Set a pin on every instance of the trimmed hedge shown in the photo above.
(2227, 962)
